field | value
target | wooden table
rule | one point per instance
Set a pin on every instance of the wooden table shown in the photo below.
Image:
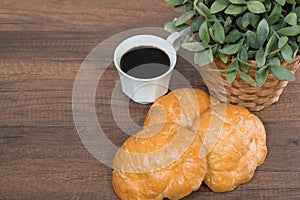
(43, 44)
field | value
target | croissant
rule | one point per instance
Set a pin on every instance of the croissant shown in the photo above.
(234, 143)
(161, 161)
(189, 137)
(181, 106)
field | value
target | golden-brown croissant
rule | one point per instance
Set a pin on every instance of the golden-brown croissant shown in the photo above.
(234, 143)
(161, 161)
(166, 160)
(181, 106)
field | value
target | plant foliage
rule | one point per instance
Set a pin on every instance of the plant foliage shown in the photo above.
(267, 31)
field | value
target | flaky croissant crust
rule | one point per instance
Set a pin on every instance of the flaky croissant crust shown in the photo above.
(181, 106)
(174, 181)
(234, 153)
(189, 137)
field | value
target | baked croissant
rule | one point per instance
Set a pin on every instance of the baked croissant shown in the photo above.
(234, 143)
(181, 106)
(161, 161)
(165, 160)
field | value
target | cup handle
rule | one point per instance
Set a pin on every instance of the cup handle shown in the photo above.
(176, 37)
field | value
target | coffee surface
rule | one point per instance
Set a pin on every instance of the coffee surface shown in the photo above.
(145, 62)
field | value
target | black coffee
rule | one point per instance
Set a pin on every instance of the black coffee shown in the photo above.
(145, 62)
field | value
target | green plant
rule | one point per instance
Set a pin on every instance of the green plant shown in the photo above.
(267, 31)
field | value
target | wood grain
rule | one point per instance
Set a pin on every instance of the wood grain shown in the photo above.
(42, 45)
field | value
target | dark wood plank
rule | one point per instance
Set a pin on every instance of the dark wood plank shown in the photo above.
(42, 45)
(76, 15)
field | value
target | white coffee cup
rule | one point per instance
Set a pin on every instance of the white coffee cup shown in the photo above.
(147, 90)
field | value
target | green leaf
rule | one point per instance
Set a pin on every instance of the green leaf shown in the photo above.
(247, 64)
(224, 58)
(230, 49)
(273, 61)
(218, 6)
(260, 57)
(238, 1)
(243, 55)
(197, 57)
(214, 51)
(203, 32)
(256, 7)
(223, 70)
(181, 27)
(202, 9)
(196, 22)
(295, 48)
(261, 77)
(228, 21)
(262, 68)
(180, 8)
(273, 53)
(239, 24)
(184, 8)
(251, 54)
(275, 14)
(282, 41)
(252, 40)
(297, 11)
(233, 36)
(291, 2)
(287, 53)
(282, 73)
(291, 19)
(203, 58)
(281, 2)
(246, 19)
(197, 38)
(243, 59)
(233, 9)
(184, 18)
(268, 4)
(194, 46)
(290, 31)
(243, 67)
(219, 32)
(174, 2)
(211, 33)
(254, 19)
(234, 65)
(232, 75)
(271, 45)
(262, 31)
(170, 27)
(247, 78)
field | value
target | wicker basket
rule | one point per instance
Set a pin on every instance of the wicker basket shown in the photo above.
(241, 93)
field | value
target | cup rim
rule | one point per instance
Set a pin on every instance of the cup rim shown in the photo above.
(169, 45)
